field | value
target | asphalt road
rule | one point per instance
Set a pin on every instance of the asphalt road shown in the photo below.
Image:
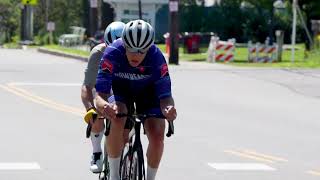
(233, 123)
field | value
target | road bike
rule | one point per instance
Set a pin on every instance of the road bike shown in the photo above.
(132, 159)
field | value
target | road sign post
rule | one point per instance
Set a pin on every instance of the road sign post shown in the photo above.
(294, 29)
(174, 39)
(51, 27)
(93, 17)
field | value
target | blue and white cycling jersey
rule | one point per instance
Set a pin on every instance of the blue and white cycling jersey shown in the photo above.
(149, 80)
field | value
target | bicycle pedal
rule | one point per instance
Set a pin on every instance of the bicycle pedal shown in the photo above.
(97, 172)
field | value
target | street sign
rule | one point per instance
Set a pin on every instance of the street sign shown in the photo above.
(93, 3)
(51, 26)
(173, 6)
(315, 26)
(29, 2)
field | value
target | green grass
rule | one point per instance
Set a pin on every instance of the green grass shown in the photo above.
(241, 57)
(312, 61)
(12, 45)
(68, 50)
(187, 57)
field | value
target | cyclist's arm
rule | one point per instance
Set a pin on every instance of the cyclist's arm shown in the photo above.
(103, 84)
(101, 102)
(166, 102)
(163, 88)
(87, 97)
(90, 75)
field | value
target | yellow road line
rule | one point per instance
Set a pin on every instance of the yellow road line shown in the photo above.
(273, 158)
(42, 101)
(249, 156)
(316, 173)
(48, 101)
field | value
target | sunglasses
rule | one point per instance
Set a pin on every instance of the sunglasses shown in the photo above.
(138, 51)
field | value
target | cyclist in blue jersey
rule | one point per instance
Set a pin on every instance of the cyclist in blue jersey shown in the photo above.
(136, 71)
(112, 32)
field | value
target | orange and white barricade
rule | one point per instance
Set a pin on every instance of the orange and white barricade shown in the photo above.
(221, 51)
(262, 53)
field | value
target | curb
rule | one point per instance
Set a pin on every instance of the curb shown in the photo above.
(62, 54)
(183, 64)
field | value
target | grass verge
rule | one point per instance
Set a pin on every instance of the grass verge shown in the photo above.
(68, 50)
(312, 60)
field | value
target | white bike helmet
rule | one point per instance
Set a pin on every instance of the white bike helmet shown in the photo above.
(113, 32)
(138, 35)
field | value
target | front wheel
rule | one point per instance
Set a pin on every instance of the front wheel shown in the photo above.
(130, 167)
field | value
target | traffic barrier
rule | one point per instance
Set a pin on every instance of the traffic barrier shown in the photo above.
(262, 53)
(222, 51)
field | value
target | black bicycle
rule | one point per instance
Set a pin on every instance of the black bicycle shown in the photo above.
(132, 159)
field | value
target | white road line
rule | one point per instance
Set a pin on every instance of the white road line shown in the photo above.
(20, 166)
(43, 84)
(241, 167)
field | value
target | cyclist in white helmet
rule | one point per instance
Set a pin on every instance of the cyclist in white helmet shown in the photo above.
(137, 71)
(112, 32)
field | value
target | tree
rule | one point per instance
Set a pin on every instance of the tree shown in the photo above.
(63, 13)
(9, 18)
(311, 8)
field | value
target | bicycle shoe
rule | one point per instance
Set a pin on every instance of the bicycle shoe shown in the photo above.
(96, 162)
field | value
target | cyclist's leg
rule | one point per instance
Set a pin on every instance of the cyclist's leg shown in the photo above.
(115, 142)
(115, 138)
(148, 103)
(96, 138)
(155, 128)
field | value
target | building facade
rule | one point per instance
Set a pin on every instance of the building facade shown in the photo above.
(127, 10)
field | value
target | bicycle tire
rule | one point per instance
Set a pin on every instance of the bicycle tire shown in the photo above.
(129, 169)
(134, 167)
(106, 170)
(140, 169)
(124, 173)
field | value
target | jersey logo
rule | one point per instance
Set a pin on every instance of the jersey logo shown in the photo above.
(142, 69)
(107, 65)
(164, 70)
(131, 76)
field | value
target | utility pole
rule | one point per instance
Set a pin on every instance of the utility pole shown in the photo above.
(294, 29)
(93, 17)
(23, 12)
(27, 20)
(271, 26)
(174, 25)
(140, 9)
(28, 23)
(47, 11)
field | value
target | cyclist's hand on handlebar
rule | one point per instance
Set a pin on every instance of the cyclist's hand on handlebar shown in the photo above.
(90, 115)
(170, 113)
(110, 110)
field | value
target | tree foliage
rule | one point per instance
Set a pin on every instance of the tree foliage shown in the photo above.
(63, 13)
(231, 19)
(9, 18)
